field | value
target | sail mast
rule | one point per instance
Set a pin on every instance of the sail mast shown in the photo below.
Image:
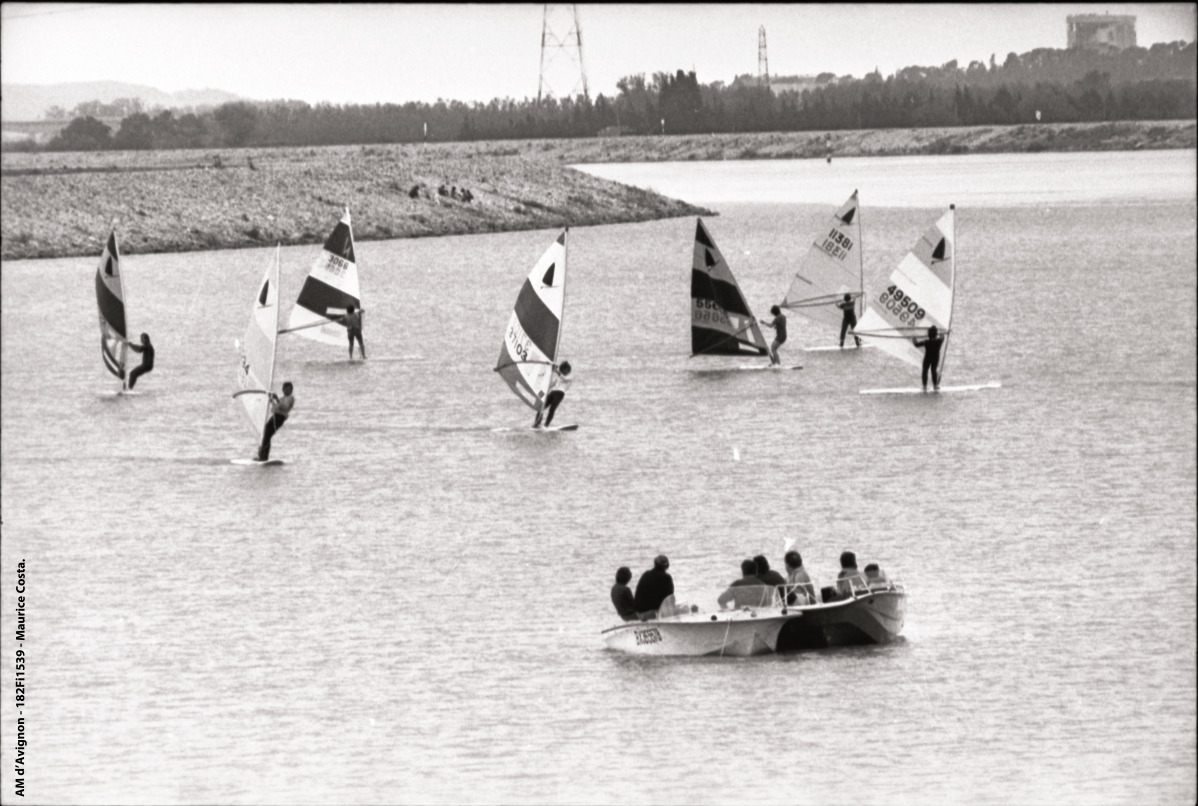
(274, 345)
(860, 259)
(952, 294)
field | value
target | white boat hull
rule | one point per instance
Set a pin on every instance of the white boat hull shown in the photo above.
(738, 634)
(869, 618)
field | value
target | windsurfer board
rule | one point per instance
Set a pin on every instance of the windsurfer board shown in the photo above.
(569, 427)
(832, 348)
(748, 367)
(267, 463)
(122, 393)
(918, 390)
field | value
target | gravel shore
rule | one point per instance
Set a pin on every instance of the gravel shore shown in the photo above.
(62, 204)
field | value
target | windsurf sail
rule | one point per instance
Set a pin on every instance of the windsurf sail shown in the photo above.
(110, 299)
(256, 368)
(919, 294)
(534, 331)
(831, 268)
(721, 322)
(331, 286)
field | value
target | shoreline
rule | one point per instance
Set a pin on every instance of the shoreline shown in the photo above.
(62, 204)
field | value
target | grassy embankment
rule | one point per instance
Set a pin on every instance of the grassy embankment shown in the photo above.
(62, 204)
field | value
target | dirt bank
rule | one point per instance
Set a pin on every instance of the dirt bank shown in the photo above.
(173, 201)
(55, 205)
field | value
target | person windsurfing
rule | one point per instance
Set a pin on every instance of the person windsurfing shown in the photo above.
(931, 357)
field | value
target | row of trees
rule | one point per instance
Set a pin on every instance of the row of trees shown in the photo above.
(1141, 84)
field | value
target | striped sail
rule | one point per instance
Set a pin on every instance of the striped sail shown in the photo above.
(255, 371)
(831, 268)
(534, 331)
(331, 285)
(721, 322)
(919, 294)
(110, 299)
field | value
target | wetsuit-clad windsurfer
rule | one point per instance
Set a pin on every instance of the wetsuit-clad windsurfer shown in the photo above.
(147, 358)
(280, 409)
(931, 357)
(353, 326)
(779, 326)
(850, 318)
(557, 391)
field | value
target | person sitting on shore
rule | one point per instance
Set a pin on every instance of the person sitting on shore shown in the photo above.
(875, 578)
(800, 589)
(621, 595)
(768, 576)
(849, 578)
(746, 591)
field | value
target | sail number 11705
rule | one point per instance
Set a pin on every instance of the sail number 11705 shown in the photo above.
(518, 344)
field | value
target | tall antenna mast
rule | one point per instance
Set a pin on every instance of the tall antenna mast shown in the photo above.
(763, 61)
(552, 45)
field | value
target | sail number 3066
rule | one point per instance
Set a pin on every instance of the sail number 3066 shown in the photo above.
(894, 300)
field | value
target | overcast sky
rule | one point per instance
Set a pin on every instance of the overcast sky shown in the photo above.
(397, 53)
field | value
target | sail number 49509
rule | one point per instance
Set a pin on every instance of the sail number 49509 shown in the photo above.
(894, 300)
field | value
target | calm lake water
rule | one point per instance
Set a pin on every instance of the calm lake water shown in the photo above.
(410, 609)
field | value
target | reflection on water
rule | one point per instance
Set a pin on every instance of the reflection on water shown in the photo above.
(409, 610)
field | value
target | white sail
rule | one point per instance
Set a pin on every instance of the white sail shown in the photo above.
(534, 330)
(110, 300)
(919, 295)
(331, 286)
(831, 268)
(255, 371)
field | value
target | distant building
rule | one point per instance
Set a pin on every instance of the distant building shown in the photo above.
(1101, 31)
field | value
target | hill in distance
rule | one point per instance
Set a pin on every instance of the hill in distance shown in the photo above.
(29, 102)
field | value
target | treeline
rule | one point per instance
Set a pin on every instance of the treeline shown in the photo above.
(1156, 83)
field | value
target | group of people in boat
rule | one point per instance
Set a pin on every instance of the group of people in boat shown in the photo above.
(758, 586)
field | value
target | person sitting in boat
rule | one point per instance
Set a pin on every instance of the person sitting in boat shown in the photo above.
(280, 410)
(779, 325)
(875, 578)
(767, 575)
(849, 578)
(147, 358)
(653, 587)
(746, 591)
(800, 589)
(850, 319)
(931, 357)
(353, 326)
(557, 391)
(621, 595)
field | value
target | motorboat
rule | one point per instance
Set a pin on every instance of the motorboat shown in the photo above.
(861, 616)
(872, 615)
(687, 631)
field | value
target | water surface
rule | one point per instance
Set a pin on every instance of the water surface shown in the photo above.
(410, 609)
